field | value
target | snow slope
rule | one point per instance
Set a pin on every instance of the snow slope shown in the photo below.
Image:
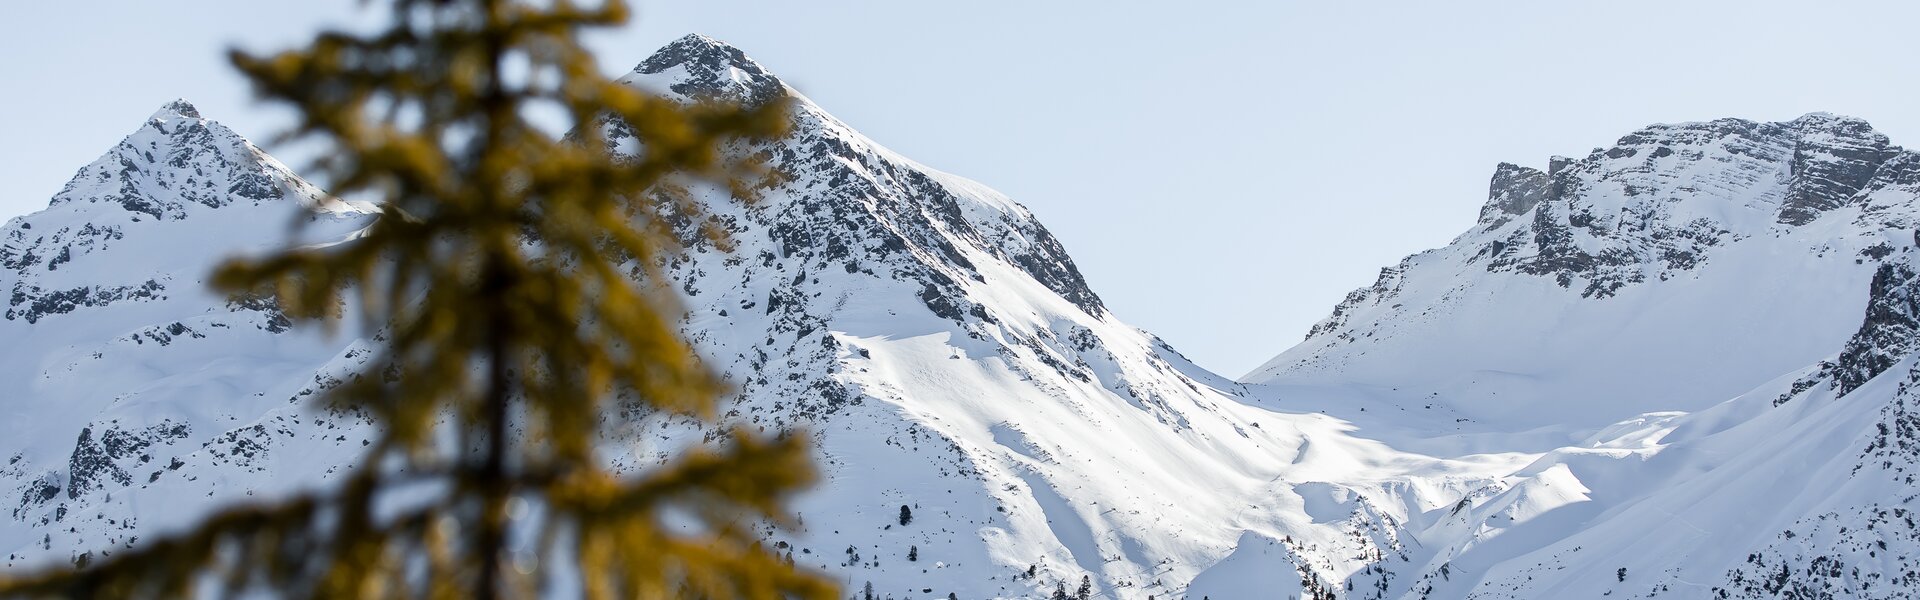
(1705, 330)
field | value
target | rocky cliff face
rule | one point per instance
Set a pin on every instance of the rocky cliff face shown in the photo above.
(1624, 214)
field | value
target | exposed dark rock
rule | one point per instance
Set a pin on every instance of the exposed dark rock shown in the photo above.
(1514, 191)
(1839, 555)
(1887, 333)
(265, 304)
(1833, 159)
(715, 70)
(39, 304)
(96, 462)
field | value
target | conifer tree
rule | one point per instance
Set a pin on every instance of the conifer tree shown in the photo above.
(512, 283)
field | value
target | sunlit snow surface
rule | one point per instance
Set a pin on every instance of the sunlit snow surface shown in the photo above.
(1670, 321)
(1635, 362)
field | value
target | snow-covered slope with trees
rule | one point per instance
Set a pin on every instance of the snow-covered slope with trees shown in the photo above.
(1680, 366)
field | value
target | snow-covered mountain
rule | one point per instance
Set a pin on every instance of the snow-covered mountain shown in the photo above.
(1706, 328)
(939, 342)
(1659, 358)
(953, 360)
(1705, 258)
(119, 360)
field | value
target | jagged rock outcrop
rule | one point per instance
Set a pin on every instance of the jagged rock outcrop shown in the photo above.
(1515, 191)
(1887, 334)
(708, 69)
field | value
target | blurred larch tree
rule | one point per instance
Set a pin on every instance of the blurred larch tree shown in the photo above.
(508, 281)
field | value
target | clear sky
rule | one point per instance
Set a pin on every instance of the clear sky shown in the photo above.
(1223, 172)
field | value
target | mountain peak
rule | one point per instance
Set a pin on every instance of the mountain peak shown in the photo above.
(178, 107)
(176, 160)
(1827, 120)
(713, 69)
(693, 47)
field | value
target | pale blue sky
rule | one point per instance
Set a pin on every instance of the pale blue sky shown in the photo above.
(1223, 172)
